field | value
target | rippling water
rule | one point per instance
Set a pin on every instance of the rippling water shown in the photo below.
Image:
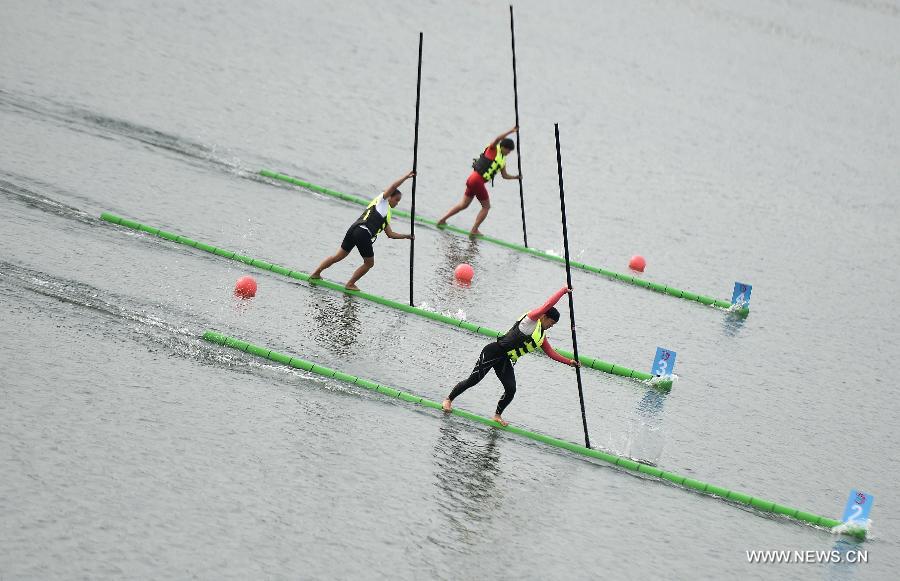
(723, 141)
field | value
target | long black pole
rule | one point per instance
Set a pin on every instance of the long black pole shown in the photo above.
(512, 30)
(412, 221)
(562, 209)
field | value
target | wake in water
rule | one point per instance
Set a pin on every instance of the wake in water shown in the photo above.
(125, 317)
(84, 295)
(14, 187)
(86, 121)
(120, 312)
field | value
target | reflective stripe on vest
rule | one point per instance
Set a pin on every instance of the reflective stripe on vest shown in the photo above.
(487, 167)
(530, 344)
(372, 220)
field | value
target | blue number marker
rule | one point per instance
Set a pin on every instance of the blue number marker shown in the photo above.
(663, 363)
(858, 506)
(741, 294)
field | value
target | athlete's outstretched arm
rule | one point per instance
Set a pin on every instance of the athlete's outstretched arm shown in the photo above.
(542, 310)
(507, 176)
(390, 189)
(391, 234)
(503, 136)
(552, 354)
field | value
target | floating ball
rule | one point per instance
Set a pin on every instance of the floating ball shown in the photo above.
(464, 273)
(637, 263)
(245, 287)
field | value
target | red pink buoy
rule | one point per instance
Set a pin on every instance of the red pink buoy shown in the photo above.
(245, 287)
(637, 263)
(464, 273)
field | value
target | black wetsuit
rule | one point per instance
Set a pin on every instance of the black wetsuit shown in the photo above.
(502, 354)
(362, 233)
(493, 356)
(359, 237)
(496, 356)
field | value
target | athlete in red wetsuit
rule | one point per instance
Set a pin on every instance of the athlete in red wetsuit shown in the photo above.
(492, 160)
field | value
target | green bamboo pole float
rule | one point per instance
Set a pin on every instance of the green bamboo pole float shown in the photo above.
(592, 362)
(626, 463)
(654, 286)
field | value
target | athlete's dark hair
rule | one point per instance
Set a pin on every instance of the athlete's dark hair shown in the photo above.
(396, 193)
(508, 144)
(553, 313)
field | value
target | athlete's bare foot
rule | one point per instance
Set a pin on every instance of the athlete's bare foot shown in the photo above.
(315, 276)
(500, 420)
(475, 232)
(441, 223)
(447, 405)
(351, 287)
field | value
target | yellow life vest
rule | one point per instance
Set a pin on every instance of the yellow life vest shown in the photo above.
(518, 343)
(488, 167)
(372, 220)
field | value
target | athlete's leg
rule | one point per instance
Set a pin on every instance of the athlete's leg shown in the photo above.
(343, 252)
(466, 201)
(482, 214)
(340, 255)
(363, 241)
(488, 359)
(508, 378)
(360, 272)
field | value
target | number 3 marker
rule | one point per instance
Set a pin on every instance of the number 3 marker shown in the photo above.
(663, 362)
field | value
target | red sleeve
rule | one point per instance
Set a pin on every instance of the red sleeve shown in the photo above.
(548, 349)
(539, 312)
(490, 152)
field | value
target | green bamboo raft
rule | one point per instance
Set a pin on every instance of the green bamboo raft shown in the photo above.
(654, 286)
(625, 463)
(587, 361)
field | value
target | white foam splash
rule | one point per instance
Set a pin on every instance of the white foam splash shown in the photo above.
(459, 314)
(561, 254)
(660, 378)
(852, 527)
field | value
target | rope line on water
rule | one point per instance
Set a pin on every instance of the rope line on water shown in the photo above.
(626, 463)
(592, 362)
(639, 282)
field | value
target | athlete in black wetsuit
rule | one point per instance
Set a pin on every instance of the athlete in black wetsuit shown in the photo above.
(524, 337)
(361, 234)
